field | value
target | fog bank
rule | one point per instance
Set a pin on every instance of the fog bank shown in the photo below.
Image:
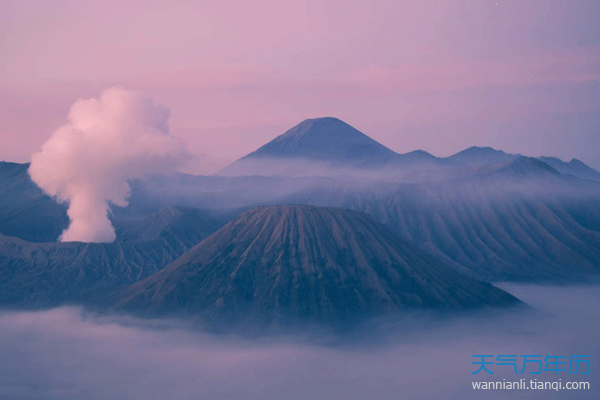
(66, 354)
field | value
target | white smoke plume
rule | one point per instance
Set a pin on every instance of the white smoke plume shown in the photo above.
(107, 141)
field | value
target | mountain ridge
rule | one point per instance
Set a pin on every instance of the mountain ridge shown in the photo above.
(330, 146)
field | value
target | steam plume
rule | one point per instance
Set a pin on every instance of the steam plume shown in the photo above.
(87, 162)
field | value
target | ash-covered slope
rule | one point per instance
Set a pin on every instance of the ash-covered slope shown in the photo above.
(36, 275)
(521, 222)
(277, 264)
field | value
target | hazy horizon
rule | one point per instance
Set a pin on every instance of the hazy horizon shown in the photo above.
(441, 76)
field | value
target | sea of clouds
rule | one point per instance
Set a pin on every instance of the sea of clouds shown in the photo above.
(65, 353)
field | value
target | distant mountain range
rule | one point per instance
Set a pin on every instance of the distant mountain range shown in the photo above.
(483, 213)
(280, 264)
(525, 222)
(329, 146)
(573, 167)
(480, 156)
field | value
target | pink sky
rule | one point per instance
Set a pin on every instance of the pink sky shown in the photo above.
(523, 76)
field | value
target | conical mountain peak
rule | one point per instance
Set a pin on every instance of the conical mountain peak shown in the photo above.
(323, 139)
(276, 264)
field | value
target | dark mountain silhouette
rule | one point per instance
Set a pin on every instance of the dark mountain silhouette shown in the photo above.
(25, 211)
(329, 146)
(272, 265)
(324, 139)
(574, 167)
(481, 156)
(419, 156)
(487, 156)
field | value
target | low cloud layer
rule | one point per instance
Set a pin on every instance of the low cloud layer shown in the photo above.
(87, 162)
(66, 354)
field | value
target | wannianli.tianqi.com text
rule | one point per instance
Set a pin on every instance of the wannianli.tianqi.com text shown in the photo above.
(532, 384)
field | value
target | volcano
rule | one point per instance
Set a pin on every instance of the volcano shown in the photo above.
(276, 265)
(324, 139)
(311, 147)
